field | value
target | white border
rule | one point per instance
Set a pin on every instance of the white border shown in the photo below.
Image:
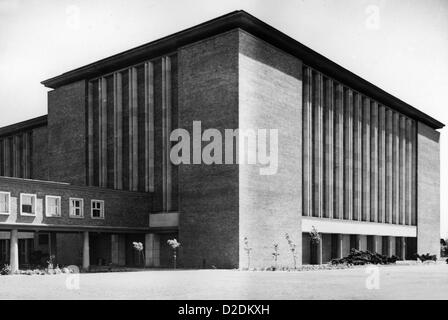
(46, 206)
(71, 207)
(102, 209)
(35, 204)
(9, 209)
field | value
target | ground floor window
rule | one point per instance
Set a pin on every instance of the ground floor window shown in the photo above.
(4, 202)
(76, 208)
(97, 209)
(53, 206)
(28, 204)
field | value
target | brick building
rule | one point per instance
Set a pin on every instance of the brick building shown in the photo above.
(354, 162)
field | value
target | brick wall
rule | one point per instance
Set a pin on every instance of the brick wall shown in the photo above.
(270, 84)
(208, 91)
(428, 190)
(67, 133)
(122, 209)
(39, 164)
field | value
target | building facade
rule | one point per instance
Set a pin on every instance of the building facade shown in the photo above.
(83, 183)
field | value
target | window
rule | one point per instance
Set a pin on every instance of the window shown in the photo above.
(52, 206)
(5, 202)
(76, 208)
(97, 209)
(28, 204)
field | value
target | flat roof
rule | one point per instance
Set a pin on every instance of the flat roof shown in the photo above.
(243, 20)
(24, 125)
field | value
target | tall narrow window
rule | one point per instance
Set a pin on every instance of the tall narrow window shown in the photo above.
(76, 208)
(28, 204)
(97, 209)
(4, 202)
(52, 206)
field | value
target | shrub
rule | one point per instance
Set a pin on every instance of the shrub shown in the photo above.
(5, 270)
(426, 257)
(358, 257)
(314, 236)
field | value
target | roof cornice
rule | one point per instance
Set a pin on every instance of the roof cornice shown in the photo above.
(243, 20)
(24, 125)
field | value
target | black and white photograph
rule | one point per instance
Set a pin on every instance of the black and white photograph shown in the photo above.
(241, 152)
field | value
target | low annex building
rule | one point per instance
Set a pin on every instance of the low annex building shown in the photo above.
(82, 183)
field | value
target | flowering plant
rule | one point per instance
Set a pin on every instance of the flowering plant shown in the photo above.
(138, 246)
(174, 244)
(292, 248)
(314, 236)
(248, 250)
(275, 255)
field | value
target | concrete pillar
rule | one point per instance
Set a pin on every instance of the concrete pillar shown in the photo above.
(14, 250)
(392, 248)
(114, 249)
(345, 244)
(361, 242)
(319, 254)
(86, 251)
(152, 250)
(340, 246)
(379, 244)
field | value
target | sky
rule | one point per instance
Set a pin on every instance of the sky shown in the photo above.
(400, 46)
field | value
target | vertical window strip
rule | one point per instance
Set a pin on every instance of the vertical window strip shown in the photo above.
(366, 160)
(103, 133)
(389, 166)
(396, 173)
(149, 127)
(90, 133)
(408, 179)
(307, 143)
(318, 144)
(168, 131)
(329, 149)
(357, 158)
(118, 131)
(339, 152)
(402, 170)
(381, 164)
(348, 151)
(374, 162)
